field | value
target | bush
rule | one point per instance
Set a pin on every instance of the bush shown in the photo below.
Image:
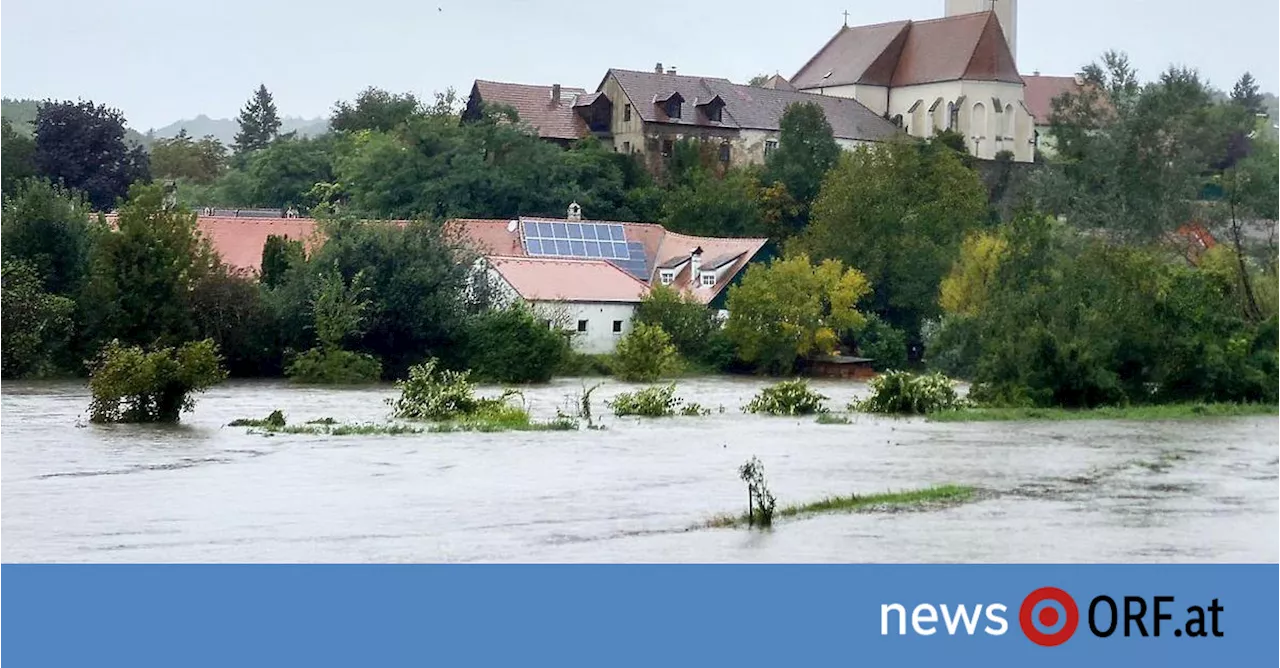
(645, 355)
(583, 364)
(37, 325)
(694, 329)
(320, 366)
(885, 344)
(762, 503)
(790, 397)
(435, 394)
(657, 401)
(131, 385)
(903, 393)
(511, 345)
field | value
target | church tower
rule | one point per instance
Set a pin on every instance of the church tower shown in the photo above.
(1006, 11)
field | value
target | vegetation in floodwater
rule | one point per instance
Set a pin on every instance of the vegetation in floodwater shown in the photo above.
(656, 401)
(761, 504)
(1147, 412)
(323, 420)
(273, 421)
(790, 397)
(905, 393)
(828, 418)
(929, 497)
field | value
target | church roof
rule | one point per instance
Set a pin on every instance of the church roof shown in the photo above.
(907, 53)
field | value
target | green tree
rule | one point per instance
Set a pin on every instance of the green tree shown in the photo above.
(645, 354)
(141, 275)
(711, 205)
(513, 345)
(374, 109)
(285, 172)
(181, 157)
(1245, 93)
(279, 256)
(806, 150)
(792, 308)
(36, 324)
(48, 227)
(232, 311)
(694, 329)
(898, 212)
(17, 157)
(81, 146)
(259, 122)
(130, 384)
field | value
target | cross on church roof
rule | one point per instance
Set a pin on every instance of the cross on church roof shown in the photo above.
(846, 18)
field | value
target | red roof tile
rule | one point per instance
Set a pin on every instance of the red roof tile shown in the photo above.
(1041, 91)
(239, 241)
(568, 280)
(534, 105)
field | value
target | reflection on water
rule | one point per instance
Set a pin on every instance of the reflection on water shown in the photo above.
(1052, 492)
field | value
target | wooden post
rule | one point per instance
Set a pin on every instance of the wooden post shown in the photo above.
(751, 496)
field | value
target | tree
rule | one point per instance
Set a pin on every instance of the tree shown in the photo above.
(259, 123)
(645, 354)
(693, 327)
(339, 311)
(279, 256)
(758, 81)
(513, 345)
(725, 206)
(17, 157)
(285, 173)
(81, 146)
(792, 308)
(141, 276)
(898, 213)
(181, 157)
(806, 150)
(230, 310)
(48, 227)
(965, 290)
(130, 384)
(35, 322)
(1245, 93)
(374, 109)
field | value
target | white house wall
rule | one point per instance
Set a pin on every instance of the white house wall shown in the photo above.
(600, 317)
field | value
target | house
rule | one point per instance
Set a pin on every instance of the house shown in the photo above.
(594, 299)
(1040, 93)
(551, 111)
(953, 73)
(650, 111)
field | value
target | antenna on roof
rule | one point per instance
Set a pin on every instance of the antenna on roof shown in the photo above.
(511, 226)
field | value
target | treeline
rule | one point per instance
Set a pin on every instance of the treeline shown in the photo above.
(1097, 291)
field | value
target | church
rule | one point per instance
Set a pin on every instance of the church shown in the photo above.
(953, 73)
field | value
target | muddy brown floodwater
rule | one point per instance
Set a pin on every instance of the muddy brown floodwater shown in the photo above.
(1187, 491)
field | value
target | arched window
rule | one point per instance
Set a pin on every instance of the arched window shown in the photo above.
(978, 127)
(1008, 122)
(953, 116)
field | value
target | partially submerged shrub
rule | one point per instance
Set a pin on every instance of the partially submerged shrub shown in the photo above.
(904, 393)
(435, 394)
(333, 366)
(273, 421)
(645, 355)
(132, 385)
(790, 397)
(656, 401)
(513, 345)
(761, 503)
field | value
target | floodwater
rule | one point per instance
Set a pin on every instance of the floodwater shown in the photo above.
(1188, 491)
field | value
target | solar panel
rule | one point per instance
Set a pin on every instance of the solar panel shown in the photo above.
(586, 240)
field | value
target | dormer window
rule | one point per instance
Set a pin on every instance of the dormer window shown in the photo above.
(673, 109)
(708, 279)
(667, 276)
(670, 103)
(713, 113)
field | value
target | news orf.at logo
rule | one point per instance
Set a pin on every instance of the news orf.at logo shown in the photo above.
(1048, 616)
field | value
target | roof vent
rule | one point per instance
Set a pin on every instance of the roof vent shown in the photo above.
(671, 70)
(575, 212)
(657, 69)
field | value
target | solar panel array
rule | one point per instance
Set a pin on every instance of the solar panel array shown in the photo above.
(596, 241)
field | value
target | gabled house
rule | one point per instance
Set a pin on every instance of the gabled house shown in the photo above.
(1040, 93)
(551, 111)
(653, 110)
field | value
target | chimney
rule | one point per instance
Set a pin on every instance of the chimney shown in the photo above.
(555, 95)
(671, 70)
(657, 69)
(575, 212)
(695, 264)
(1035, 73)
(1079, 78)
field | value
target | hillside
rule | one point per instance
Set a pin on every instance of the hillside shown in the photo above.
(224, 129)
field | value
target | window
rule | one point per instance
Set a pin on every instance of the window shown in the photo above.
(713, 113)
(668, 276)
(953, 116)
(708, 279)
(547, 323)
(667, 146)
(673, 108)
(724, 152)
(626, 112)
(582, 325)
(770, 146)
(617, 326)
(626, 147)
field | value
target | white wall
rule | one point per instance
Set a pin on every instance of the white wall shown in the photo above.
(599, 316)
(985, 131)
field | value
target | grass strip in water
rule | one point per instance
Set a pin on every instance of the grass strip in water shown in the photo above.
(832, 418)
(919, 499)
(319, 428)
(1151, 412)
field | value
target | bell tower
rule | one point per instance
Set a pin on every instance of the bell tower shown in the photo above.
(1006, 11)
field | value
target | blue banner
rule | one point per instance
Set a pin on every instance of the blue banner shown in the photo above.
(630, 615)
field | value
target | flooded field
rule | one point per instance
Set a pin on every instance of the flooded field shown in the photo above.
(1187, 491)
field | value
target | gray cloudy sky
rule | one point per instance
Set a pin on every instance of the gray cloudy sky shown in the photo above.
(161, 60)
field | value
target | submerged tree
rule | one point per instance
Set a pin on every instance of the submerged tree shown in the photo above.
(130, 384)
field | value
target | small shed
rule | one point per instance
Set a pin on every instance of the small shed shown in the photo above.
(840, 366)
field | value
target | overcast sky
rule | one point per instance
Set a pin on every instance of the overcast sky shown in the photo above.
(161, 60)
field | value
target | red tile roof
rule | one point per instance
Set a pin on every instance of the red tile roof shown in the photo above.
(239, 241)
(907, 53)
(1041, 91)
(568, 279)
(675, 245)
(533, 104)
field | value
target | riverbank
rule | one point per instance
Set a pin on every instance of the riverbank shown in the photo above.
(1143, 413)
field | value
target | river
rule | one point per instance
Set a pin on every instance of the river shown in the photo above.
(1097, 491)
